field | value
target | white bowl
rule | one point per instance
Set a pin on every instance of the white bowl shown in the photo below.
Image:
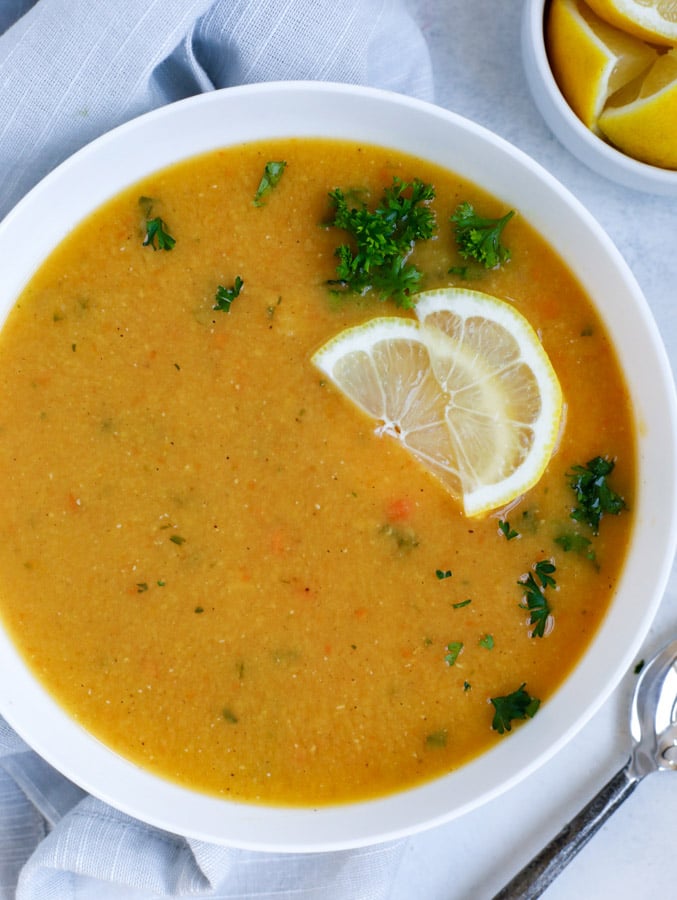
(568, 128)
(316, 109)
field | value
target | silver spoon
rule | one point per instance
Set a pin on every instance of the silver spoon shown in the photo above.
(653, 725)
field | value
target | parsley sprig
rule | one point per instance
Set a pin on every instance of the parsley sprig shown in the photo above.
(534, 595)
(225, 296)
(272, 173)
(479, 237)
(517, 705)
(382, 240)
(157, 235)
(594, 495)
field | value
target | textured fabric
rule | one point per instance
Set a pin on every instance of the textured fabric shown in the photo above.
(69, 71)
(73, 69)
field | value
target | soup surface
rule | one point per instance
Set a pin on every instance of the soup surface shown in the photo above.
(210, 558)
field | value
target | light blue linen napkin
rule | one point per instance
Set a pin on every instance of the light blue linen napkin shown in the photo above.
(69, 71)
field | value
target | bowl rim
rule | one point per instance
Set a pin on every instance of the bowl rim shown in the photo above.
(370, 112)
(599, 156)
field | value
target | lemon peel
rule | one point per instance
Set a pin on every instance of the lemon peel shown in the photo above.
(653, 20)
(590, 59)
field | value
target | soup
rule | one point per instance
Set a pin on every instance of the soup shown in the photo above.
(209, 556)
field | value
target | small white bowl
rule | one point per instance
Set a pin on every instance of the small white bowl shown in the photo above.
(568, 128)
(256, 112)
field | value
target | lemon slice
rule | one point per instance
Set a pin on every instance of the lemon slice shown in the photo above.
(468, 390)
(653, 20)
(591, 59)
(645, 125)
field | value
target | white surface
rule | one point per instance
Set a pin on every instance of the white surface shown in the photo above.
(478, 73)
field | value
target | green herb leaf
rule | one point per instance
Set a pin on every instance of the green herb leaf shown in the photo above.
(454, 648)
(594, 495)
(225, 296)
(382, 240)
(436, 738)
(508, 532)
(479, 237)
(518, 705)
(487, 642)
(461, 603)
(157, 235)
(443, 573)
(573, 542)
(534, 597)
(272, 173)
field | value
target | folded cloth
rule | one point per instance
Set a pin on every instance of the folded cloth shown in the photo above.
(73, 69)
(69, 71)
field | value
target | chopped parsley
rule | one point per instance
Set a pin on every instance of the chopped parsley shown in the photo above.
(225, 296)
(594, 495)
(518, 705)
(382, 240)
(573, 542)
(461, 603)
(508, 533)
(443, 573)
(479, 237)
(157, 235)
(534, 595)
(436, 738)
(272, 173)
(487, 642)
(453, 650)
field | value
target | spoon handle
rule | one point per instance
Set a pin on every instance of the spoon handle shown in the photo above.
(538, 874)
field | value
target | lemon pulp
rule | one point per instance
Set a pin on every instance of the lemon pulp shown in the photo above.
(467, 388)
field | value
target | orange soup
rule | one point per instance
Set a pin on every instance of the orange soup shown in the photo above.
(209, 556)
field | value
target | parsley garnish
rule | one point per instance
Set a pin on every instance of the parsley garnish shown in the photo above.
(272, 172)
(534, 595)
(461, 603)
(225, 296)
(454, 648)
(478, 237)
(572, 541)
(436, 738)
(508, 532)
(156, 231)
(487, 642)
(443, 573)
(594, 495)
(382, 241)
(518, 705)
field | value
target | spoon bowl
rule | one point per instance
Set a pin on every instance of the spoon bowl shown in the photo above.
(653, 716)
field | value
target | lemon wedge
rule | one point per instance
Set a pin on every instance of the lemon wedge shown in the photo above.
(653, 20)
(468, 390)
(591, 59)
(643, 124)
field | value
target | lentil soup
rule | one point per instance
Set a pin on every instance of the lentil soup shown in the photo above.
(208, 555)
